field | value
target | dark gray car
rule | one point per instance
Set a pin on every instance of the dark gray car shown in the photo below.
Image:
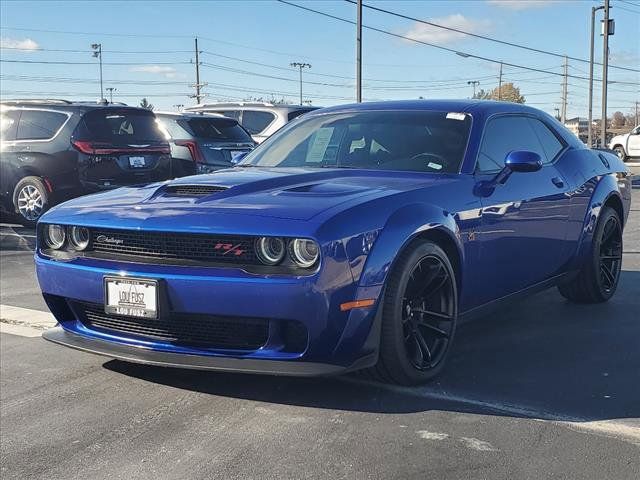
(203, 143)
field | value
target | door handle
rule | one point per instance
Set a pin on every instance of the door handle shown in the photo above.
(557, 181)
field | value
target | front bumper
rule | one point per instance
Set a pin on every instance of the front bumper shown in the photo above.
(147, 356)
(337, 341)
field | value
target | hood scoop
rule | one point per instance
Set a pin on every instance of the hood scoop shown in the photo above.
(192, 190)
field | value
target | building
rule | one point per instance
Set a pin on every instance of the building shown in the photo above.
(577, 125)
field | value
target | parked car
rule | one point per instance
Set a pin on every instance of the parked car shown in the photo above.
(357, 237)
(627, 146)
(203, 143)
(260, 119)
(52, 150)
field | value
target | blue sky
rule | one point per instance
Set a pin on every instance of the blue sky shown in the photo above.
(148, 50)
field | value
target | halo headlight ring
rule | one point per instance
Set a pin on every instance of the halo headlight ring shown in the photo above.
(304, 252)
(55, 236)
(79, 237)
(270, 250)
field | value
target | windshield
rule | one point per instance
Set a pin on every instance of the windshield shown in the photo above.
(223, 129)
(423, 141)
(119, 127)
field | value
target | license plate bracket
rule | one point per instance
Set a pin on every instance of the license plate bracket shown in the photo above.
(131, 297)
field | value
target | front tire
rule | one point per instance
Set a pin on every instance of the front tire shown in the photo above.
(420, 309)
(598, 278)
(30, 200)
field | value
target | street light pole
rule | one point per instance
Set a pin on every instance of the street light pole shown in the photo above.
(97, 52)
(605, 71)
(300, 66)
(359, 54)
(590, 126)
(474, 83)
(110, 90)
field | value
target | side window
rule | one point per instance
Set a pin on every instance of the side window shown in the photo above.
(174, 128)
(39, 125)
(9, 125)
(256, 121)
(503, 135)
(550, 143)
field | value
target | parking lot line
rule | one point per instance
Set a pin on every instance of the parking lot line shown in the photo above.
(25, 322)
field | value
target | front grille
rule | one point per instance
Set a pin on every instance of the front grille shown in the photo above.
(193, 190)
(177, 246)
(237, 333)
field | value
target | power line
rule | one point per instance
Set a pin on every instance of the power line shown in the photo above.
(65, 50)
(484, 37)
(48, 62)
(440, 47)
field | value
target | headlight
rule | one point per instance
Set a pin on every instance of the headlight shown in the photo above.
(270, 250)
(79, 237)
(54, 236)
(304, 252)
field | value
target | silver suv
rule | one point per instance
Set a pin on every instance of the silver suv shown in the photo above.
(260, 119)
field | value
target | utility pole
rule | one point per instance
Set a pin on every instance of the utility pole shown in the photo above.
(359, 54)
(563, 115)
(606, 31)
(474, 83)
(637, 116)
(500, 83)
(198, 96)
(590, 126)
(110, 90)
(97, 52)
(557, 113)
(300, 66)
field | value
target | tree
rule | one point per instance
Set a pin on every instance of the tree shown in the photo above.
(508, 92)
(145, 104)
(618, 120)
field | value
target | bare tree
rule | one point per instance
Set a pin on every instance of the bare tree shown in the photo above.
(618, 120)
(507, 93)
(144, 103)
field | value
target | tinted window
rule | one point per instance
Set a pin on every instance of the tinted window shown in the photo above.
(235, 114)
(39, 125)
(296, 113)
(173, 128)
(256, 121)
(120, 127)
(550, 143)
(222, 129)
(391, 140)
(9, 124)
(503, 135)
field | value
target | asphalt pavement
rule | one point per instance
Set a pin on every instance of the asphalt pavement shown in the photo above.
(543, 389)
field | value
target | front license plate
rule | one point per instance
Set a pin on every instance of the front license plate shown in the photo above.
(137, 162)
(132, 297)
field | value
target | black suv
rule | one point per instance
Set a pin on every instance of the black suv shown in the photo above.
(52, 150)
(202, 143)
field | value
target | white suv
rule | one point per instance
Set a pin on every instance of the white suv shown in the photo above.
(627, 145)
(260, 119)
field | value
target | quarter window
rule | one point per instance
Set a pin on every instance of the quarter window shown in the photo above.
(550, 143)
(39, 125)
(256, 121)
(9, 125)
(503, 135)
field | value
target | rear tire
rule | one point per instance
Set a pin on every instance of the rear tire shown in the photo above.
(30, 200)
(599, 276)
(620, 153)
(420, 308)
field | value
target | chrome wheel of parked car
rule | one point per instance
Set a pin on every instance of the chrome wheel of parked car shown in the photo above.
(598, 278)
(30, 200)
(419, 315)
(620, 152)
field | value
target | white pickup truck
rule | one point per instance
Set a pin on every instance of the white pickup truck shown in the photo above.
(627, 146)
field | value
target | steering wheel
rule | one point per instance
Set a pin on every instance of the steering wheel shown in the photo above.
(440, 159)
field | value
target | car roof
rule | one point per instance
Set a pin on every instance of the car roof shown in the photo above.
(65, 105)
(251, 105)
(472, 106)
(192, 115)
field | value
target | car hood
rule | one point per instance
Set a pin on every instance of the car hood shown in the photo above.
(284, 193)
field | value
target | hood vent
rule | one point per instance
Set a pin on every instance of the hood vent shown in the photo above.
(193, 190)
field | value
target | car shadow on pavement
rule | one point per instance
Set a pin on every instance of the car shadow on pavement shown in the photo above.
(542, 358)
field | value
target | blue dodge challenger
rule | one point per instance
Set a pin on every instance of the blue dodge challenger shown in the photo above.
(356, 237)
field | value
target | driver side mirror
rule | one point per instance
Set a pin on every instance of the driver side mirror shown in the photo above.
(523, 161)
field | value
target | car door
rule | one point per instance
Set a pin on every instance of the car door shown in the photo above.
(8, 128)
(633, 143)
(524, 220)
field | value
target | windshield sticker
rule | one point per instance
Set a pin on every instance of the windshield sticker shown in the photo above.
(318, 145)
(435, 166)
(456, 116)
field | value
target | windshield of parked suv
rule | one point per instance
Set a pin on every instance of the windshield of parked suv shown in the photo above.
(381, 140)
(119, 127)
